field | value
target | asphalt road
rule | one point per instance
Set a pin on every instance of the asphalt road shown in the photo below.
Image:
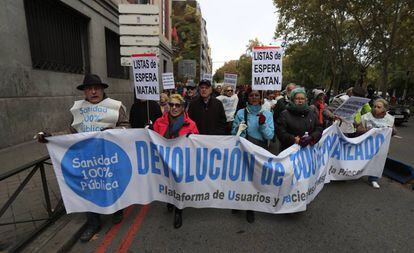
(345, 217)
(402, 145)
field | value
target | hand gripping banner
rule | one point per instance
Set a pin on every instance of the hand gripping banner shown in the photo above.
(106, 171)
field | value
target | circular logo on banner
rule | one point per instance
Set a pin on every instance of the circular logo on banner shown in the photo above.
(97, 170)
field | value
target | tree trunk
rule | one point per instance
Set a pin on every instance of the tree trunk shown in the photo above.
(384, 78)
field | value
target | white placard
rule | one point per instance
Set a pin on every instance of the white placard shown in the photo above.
(168, 81)
(230, 79)
(351, 106)
(207, 77)
(267, 68)
(139, 19)
(138, 50)
(139, 8)
(139, 30)
(145, 68)
(139, 41)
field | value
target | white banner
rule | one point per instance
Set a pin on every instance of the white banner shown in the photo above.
(267, 68)
(168, 81)
(106, 171)
(348, 108)
(145, 68)
(230, 79)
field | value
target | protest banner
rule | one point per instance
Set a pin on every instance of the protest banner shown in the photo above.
(145, 69)
(106, 171)
(230, 79)
(348, 108)
(168, 81)
(207, 77)
(267, 68)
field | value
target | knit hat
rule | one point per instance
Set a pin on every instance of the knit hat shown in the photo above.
(297, 91)
(317, 92)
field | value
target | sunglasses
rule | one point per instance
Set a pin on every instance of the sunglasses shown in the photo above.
(229, 90)
(172, 105)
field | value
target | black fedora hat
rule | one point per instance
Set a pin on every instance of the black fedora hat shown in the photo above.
(91, 79)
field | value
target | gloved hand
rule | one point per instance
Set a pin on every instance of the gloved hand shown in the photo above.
(305, 141)
(149, 125)
(262, 118)
(242, 127)
(41, 137)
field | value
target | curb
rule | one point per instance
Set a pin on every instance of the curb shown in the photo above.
(60, 236)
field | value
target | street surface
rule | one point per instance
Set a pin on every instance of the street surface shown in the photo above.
(345, 217)
(402, 149)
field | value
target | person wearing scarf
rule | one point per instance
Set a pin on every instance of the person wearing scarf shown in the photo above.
(377, 118)
(173, 124)
(296, 121)
(325, 117)
(255, 125)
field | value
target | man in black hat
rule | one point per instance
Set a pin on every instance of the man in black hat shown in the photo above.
(207, 111)
(96, 112)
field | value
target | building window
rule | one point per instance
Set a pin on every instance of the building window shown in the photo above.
(113, 56)
(164, 70)
(58, 36)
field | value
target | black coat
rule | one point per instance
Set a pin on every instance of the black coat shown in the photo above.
(279, 108)
(138, 116)
(209, 118)
(291, 123)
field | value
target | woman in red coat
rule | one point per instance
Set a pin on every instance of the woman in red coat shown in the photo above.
(171, 125)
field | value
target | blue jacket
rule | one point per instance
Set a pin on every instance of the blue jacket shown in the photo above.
(261, 132)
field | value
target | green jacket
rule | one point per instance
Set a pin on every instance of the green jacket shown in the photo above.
(365, 109)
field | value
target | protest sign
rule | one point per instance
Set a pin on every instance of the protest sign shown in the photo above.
(348, 108)
(106, 171)
(145, 68)
(267, 68)
(207, 77)
(230, 79)
(168, 81)
(88, 117)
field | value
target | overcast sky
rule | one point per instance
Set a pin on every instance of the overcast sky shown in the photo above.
(231, 23)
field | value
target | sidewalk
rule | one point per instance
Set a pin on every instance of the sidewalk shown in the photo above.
(30, 203)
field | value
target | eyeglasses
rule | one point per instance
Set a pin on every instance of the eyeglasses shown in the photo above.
(172, 105)
(229, 90)
(190, 88)
(254, 95)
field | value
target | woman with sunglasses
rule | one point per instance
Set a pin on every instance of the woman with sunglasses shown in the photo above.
(260, 127)
(173, 124)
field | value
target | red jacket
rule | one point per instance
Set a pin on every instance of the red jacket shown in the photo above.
(161, 125)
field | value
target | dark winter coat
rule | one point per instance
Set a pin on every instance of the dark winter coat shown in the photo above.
(138, 116)
(210, 118)
(292, 123)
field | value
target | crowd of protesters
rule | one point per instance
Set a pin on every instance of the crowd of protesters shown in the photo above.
(256, 116)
